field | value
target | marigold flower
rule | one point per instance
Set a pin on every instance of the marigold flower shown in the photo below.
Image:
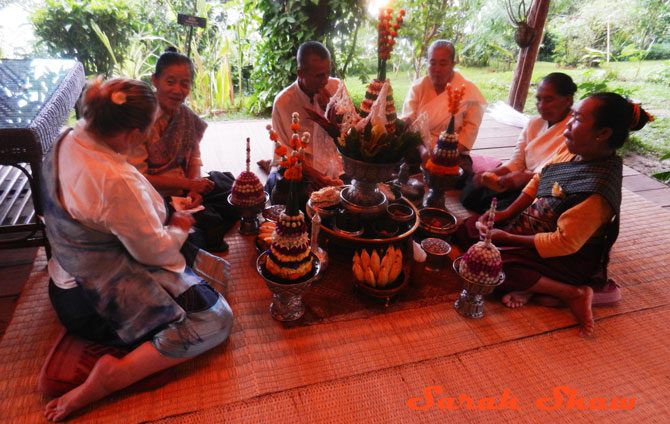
(281, 151)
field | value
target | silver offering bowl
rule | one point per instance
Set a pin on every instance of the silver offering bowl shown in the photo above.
(471, 302)
(364, 192)
(437, 185)
(249, 224)
(287, 304)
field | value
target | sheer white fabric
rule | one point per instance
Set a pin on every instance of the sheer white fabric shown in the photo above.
(422, 98)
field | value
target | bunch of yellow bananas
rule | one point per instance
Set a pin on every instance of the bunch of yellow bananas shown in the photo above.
(377, 272)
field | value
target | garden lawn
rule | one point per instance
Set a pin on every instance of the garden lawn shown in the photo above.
(632, 78)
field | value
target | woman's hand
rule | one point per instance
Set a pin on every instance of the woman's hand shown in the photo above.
(514, 180)
(182, 220)
(196, 199)
(500, 216)
(201, 185)
(477, 179)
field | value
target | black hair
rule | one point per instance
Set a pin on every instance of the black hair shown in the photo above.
(620, 115)
(172, 57)
(117, 105)
(561, 82)
(310, 48)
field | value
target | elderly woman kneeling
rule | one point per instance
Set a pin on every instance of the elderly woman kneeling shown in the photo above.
(117, 277)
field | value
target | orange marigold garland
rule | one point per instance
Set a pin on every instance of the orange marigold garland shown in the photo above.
(444, 157)
(387, 32)
(291, 163)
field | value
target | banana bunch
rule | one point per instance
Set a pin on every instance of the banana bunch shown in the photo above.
(265, 233)
(377, 272)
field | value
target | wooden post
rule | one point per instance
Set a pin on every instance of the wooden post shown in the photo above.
(527, 56)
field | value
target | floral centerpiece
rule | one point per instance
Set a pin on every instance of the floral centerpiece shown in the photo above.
(444, 156)
(373, 133)
(441, 172)
(289, 256)
(288, 266)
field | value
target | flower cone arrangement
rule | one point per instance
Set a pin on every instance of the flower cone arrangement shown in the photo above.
(289, 258)
(444, 157)
(374, 134)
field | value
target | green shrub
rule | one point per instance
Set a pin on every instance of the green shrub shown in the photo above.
(659, 51)
(64, 28)
(662, 76)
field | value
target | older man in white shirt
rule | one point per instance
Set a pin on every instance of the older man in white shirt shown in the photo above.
(313, 90)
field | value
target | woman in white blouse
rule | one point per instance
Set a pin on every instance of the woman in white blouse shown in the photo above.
(538, 142)
(117, 277)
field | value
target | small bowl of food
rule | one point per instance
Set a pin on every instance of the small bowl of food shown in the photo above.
(380, 275)
(325, 201)
(437, 251)
(435, 222)
(385, 228)
(272, 212)
(347, 225)
(401, 213)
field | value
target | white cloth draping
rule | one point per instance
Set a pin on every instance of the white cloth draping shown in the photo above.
(537, 143)
(321, 152)
(422, 98)
(103, 191)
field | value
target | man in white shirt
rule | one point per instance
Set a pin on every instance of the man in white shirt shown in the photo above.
(313, 90)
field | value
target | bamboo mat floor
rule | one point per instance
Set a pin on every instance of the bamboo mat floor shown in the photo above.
(368, 369)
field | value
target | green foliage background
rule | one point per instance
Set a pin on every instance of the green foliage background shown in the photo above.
(64, 27)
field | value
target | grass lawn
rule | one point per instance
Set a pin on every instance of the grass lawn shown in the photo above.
(653, 141)
(631, 77)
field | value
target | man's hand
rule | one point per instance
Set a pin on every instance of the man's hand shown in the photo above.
(182, 220)
(322, 97)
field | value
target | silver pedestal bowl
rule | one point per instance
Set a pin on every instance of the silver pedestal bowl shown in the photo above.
(287, 304)
(470, 304)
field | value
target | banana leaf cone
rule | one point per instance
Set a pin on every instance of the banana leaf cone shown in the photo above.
(292, 201)
(450, 127)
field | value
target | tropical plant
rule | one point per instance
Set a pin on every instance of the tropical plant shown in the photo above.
(594, 81)
(429, 21)
(65, 28)
(284, 27)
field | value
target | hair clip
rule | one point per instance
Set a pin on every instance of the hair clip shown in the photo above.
(118, 97)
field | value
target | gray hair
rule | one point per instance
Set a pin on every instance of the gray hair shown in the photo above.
(443, 44)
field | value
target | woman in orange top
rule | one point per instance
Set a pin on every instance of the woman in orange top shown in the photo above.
(556, 236)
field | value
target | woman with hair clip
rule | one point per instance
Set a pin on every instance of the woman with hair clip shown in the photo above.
(556, 237)
(170, 156)
(117, 276)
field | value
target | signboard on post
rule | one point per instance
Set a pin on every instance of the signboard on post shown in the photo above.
(191, 21)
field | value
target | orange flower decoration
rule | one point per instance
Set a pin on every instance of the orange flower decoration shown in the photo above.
(455, 96)
(291, 162)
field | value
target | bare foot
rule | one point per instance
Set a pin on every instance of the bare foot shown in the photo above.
(516, 299)
(265, 165)
(580, 307)
(91, 390)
